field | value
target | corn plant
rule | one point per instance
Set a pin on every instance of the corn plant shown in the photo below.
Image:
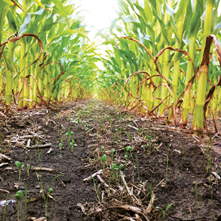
(160, 57)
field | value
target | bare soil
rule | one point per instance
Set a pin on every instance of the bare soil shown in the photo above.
(167, 165)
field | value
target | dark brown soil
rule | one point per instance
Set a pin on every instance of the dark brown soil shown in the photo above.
(96, 124)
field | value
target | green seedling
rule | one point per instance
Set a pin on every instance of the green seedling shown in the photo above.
(125, 166)
(18, 197)
(116, 130)
(19, 165)
(87, 127)
(114, 168)
(129, 136)
(72, 145)
(164, 211)
(50, 191)
(103, 159)
(26, 197)
(77, 120)
(28, 165)
(69, 133)
(120, 167)
(112, 154)
(96, 188)
(60, 146)
(129, 148)
(102, 150)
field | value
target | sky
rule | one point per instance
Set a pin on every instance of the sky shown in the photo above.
(98, 14)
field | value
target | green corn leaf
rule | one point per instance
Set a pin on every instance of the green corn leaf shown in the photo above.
(142, 11)
(61, 10)
(12, 21)
(195, 20)
(217, 28)
(8, 62)
(181, 10)
(4, 7)
(9, 2)
(69, 31)
(25, 25)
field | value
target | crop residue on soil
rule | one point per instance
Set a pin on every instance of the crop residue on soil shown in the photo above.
(164, 166)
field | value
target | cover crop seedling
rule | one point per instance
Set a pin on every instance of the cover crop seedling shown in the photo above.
(129, 149)
(18, 197)
(50, 191)
(103, 159)
(19, 165)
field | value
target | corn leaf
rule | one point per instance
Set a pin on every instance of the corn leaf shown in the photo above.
(12, 21)
(4, 7)
(25, 25)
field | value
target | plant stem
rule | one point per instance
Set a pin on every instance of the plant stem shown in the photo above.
(138, 169)
(5, 207)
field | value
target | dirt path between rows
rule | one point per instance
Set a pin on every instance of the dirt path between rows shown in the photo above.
(166, 165)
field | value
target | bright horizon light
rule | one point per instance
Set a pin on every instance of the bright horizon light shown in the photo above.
(98, 14)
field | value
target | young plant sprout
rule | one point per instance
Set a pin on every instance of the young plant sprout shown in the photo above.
(18, 197)
(60, 145)
(120, 167)
(72, 145)
(126, 156)
(164, 211)
(19, 165)
(102, 150)
(129, 136)
(129, 148)
(149, 144)
(103, 159)
(28, 167)
(69, 133)
(50, 191)
(77, 120)
(112, 154)
(114, 169)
